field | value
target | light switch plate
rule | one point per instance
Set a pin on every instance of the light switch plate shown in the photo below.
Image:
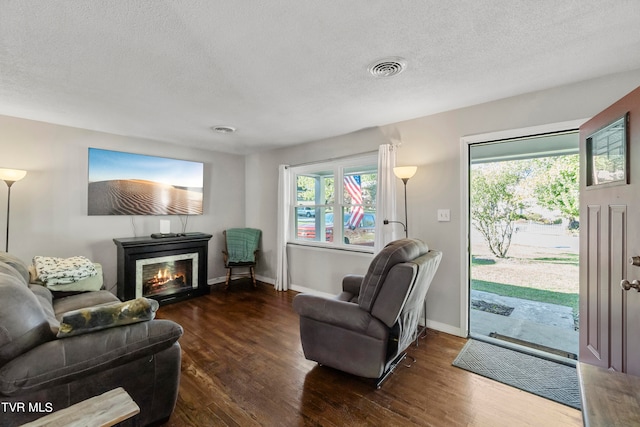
(444, 215)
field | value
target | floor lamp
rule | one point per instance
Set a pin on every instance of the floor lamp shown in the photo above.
(9, 176)
(404, 173)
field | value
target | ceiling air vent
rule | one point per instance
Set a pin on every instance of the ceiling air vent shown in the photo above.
(223, 129)
(387, 67)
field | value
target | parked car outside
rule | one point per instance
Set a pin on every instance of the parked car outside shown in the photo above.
(363, 234)
(306, 212)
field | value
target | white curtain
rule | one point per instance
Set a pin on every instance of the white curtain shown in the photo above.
(386, 201)
(284, 212)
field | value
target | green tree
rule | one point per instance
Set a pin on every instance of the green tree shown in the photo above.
(557, 186)
(496, 202)
(307, 185)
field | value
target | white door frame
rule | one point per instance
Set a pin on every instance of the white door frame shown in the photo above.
(465, 141)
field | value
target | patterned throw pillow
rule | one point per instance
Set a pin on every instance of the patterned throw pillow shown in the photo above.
(92, 319)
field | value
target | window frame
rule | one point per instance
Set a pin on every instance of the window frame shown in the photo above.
(338, 169)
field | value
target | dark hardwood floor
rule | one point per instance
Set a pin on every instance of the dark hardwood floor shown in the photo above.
(242, 365)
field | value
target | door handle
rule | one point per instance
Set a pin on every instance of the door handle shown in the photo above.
(634, 260)
(626, 285)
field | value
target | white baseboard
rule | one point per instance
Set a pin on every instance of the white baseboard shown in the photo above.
(222, 279)
(216, 280)
(443, 327)
(267, 280)
(310, 291)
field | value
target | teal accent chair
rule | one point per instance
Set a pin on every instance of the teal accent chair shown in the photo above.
(241, 250)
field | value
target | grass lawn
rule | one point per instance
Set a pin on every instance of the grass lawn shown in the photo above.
(531, 294)
(568, 260)
(571, 259)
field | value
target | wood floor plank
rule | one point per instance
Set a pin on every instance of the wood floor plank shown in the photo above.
(243, 365)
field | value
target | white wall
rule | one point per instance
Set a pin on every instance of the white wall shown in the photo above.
(262, 190)
(434, 144)
(49, 206)
(49, 213)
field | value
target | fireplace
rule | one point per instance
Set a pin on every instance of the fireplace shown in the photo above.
(166, 275)
(165, 269)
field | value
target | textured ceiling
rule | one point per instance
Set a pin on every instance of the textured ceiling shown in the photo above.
(285, 72)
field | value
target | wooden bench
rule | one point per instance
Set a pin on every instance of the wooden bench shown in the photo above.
(104, 410)
(609, 398)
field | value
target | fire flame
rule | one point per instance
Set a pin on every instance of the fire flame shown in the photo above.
(164, 276)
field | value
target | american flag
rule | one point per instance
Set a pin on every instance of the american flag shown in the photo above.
(352, 185)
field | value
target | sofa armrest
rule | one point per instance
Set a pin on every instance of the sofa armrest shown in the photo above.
(338, 313)
(351, 283)
(64, 360)
(83, 300)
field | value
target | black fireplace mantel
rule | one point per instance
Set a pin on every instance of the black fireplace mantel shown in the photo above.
(132, 249)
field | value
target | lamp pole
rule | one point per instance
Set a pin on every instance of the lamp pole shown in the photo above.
(406, 215)
(9, 176)
(9, 184)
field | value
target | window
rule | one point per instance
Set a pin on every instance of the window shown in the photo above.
(339, 192)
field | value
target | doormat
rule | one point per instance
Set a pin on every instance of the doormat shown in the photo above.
(542, 377)
(491, 307)
(540, 347)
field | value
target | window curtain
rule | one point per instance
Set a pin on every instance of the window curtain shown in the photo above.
(284, 212)
(386, 197)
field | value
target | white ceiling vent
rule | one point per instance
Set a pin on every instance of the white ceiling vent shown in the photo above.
(387, 67)
(223, 129)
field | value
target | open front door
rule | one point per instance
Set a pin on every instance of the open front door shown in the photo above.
(610, 237)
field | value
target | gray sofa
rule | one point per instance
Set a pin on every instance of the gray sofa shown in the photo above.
(366, 329)
(40, 373)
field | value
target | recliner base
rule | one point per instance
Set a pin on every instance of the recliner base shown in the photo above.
(392, 367)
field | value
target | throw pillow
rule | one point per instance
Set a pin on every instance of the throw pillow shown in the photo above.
(92, 319)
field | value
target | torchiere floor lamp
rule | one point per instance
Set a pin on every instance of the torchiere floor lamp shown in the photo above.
(404, 173)
(9, 176)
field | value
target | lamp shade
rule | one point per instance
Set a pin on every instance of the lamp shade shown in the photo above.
(405, 172)
(12, 175)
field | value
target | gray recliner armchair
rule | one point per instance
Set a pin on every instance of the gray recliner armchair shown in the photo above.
(366, 329)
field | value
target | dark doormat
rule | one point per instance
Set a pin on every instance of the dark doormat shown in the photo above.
(491, 307)
(540, 347)
(542, 377)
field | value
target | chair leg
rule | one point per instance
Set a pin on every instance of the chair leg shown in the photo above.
(253, 276)
(226, 283)
(392, 367)
(424, 328)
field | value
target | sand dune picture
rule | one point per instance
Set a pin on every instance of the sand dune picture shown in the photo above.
(134, 184)
(138, 197)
